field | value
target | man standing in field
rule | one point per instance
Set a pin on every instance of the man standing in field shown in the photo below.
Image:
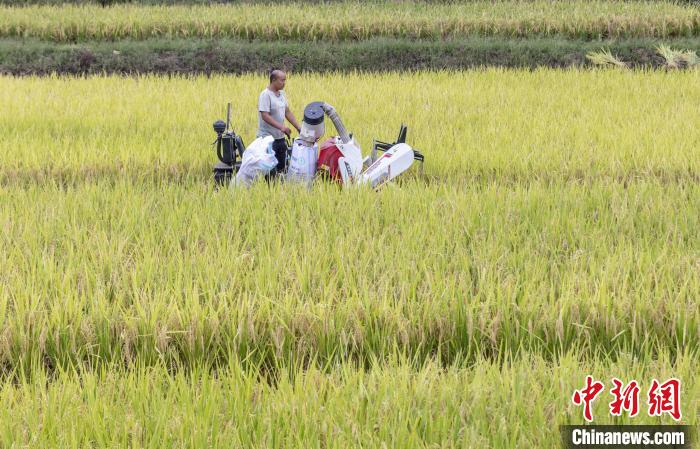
(272, 110)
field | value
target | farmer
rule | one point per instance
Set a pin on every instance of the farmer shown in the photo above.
(272, 110)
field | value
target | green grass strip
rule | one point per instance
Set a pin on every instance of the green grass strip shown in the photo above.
(29, 56)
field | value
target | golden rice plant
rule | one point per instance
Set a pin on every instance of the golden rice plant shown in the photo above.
(545, 219)
(392, 404)
(350, 20)
(553, 235)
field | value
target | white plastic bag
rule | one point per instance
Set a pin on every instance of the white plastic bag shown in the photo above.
(258, 160)
(302, 166)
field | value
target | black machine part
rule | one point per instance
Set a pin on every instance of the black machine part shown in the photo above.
(313, 113)
(219, 127)
(223, 173)
(229, 148)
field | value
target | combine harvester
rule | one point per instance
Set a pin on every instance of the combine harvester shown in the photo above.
(339, 158)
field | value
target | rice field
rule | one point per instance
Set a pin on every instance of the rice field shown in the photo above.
(351, 20)
(515, 405)
(553, 234)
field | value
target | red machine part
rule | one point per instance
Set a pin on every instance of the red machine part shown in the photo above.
(328, 156)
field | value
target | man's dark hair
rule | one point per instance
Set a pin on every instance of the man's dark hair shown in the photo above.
(273, 73)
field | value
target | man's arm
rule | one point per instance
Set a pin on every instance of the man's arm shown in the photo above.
(267, 118)
(293, 120)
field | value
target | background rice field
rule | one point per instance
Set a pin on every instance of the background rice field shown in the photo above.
(354, 20)
(553, 234)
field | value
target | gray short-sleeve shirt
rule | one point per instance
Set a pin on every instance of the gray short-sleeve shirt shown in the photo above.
(276, 106)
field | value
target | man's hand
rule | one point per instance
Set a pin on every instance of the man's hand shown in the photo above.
(267, 118)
